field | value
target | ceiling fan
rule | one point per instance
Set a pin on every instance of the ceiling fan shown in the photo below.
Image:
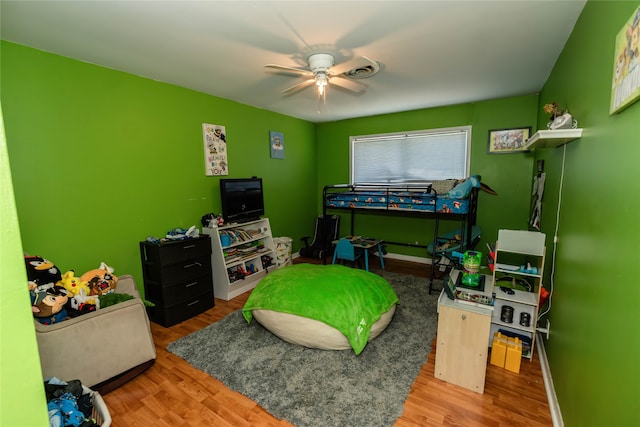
(322, 71)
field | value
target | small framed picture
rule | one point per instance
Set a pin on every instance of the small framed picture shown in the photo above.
(276, 144)
(505, 141)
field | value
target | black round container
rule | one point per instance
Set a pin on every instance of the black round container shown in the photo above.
(506, 315)
(525, 319)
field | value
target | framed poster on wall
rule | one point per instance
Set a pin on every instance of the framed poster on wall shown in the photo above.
(276, 144)
(625, 87)
(502, 141)
(215, 149)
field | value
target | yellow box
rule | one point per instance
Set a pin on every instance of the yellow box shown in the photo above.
(514, 355)
(498, 349)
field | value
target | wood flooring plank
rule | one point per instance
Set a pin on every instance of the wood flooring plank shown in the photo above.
(173, 393)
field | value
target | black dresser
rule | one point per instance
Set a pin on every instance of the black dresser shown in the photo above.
(177, 278)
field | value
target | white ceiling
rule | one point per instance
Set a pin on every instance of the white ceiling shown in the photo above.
(431, 53)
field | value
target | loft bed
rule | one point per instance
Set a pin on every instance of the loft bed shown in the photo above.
(440, 200)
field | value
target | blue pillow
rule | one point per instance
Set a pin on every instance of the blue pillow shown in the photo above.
(462, 190)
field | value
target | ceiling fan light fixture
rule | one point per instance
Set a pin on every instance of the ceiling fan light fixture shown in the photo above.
(321, 82)
(322, 72)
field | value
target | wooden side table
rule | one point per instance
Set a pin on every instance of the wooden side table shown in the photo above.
(462, 343)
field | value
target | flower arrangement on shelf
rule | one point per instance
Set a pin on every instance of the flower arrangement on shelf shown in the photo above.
(559, 118)
(553, 110)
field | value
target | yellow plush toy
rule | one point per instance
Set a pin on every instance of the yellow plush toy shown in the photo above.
(73, 284)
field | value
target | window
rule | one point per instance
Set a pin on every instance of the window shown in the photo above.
(411, 157)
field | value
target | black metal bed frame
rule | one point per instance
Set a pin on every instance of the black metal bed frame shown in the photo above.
(468, 220)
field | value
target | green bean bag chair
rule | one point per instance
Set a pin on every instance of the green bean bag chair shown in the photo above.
(330, 307)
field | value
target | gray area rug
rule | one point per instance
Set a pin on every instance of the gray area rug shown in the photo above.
(310, 387)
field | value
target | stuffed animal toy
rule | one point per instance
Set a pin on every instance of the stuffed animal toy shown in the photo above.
(101, 281)
(208, 220)
(48, 306)
(73, 284)
(42, 272)
(82, 303)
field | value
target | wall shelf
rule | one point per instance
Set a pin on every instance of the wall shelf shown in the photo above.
(552, 138)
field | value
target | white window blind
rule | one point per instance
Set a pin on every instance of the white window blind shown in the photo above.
(411, 157)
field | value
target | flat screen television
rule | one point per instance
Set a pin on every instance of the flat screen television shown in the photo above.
(242, 199)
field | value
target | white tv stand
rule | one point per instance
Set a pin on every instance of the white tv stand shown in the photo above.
(249, 251)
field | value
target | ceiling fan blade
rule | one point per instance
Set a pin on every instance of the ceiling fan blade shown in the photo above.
(289, 69)
(345, 83)
(359, 62)
(299, 86)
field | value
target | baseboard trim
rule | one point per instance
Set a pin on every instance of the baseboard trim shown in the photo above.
(554, 406)
(390, 255)
(410, 258)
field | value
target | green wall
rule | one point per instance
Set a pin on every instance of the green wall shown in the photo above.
(22, 400)
(594, 346)
(508, 174)
(102, 159)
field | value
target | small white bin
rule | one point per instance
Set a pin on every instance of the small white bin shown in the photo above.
(100, 411)
(283, 251)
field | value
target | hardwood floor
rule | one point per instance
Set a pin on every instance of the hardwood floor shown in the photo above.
(172, 393)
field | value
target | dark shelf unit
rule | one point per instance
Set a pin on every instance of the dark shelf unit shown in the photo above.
(177, 278)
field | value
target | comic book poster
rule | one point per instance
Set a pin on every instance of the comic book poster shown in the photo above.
(626, 68)
(215, 149)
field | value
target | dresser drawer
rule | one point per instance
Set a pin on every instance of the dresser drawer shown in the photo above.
(176, 252)
(170, 315)
(179, 292)
(167, 274)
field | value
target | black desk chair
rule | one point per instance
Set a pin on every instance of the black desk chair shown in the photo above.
(327, 230)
